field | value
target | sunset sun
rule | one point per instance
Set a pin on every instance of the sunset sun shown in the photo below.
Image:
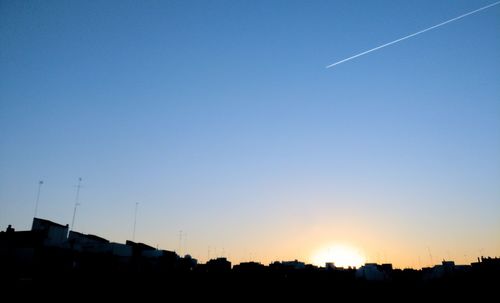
(340, 255)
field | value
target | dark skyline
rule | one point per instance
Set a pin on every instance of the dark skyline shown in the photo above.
(49, 260)
(26, 246)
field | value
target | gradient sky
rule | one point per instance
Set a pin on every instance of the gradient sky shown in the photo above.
(220, 119)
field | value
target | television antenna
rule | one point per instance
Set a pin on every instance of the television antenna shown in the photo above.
(76, 201)
(135, 220)
(40, 183)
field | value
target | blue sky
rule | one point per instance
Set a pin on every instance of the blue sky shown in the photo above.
(220, 119)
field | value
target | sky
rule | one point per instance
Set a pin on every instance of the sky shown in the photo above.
(220, 119)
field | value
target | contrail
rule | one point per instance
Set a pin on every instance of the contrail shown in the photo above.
(414, 34)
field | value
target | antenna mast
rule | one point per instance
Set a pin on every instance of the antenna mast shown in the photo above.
(76, 201)
(180, 243)
(430, 255)
(184, 243)
(38, 197)
(135, 220)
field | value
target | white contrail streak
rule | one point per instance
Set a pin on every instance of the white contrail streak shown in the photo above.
(414, 34)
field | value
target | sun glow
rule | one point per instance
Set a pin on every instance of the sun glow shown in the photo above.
(339, 255)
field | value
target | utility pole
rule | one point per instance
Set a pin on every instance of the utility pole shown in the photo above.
(76, 202)
(40, 183)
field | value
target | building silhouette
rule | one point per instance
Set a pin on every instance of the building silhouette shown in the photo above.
(49, 255)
